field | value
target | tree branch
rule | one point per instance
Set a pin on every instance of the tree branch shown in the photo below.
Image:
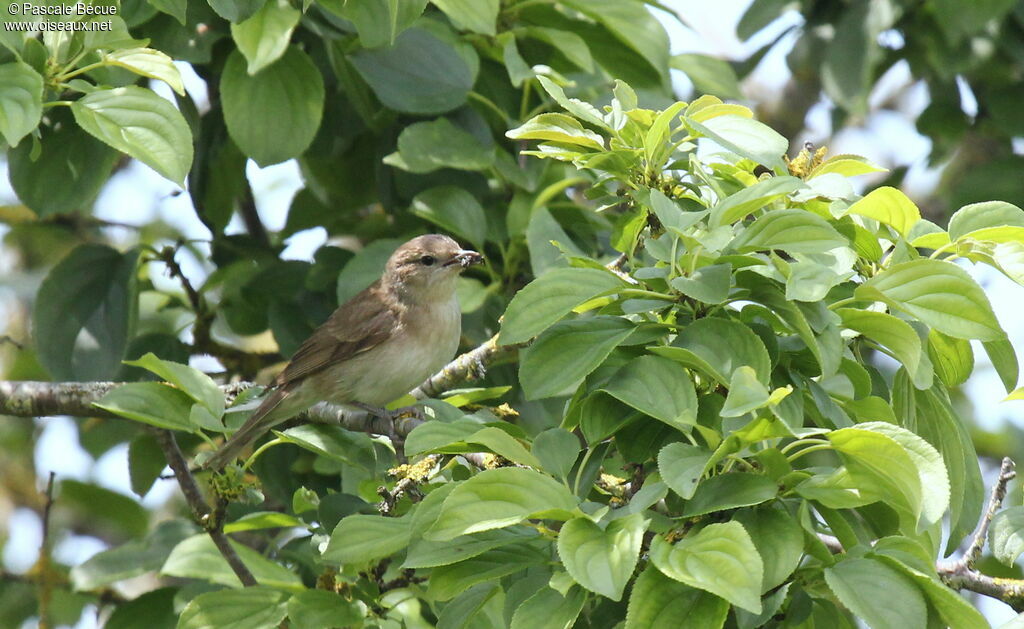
(200, 509)
(40, 399)
(960, 574)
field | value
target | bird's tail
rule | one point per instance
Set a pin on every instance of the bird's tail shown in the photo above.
(261, 421)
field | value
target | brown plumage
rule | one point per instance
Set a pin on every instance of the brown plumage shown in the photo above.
(375, 347)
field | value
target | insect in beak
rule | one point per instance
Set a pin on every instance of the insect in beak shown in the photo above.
(465, 258)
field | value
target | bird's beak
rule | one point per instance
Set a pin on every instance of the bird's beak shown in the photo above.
(465, 258)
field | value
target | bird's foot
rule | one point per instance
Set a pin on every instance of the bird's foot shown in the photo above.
(404, 412)
(477, 369)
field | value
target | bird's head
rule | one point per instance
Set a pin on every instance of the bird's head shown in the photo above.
(427, 266)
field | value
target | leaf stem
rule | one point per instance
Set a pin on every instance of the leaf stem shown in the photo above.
(809, 449)
(260, 450)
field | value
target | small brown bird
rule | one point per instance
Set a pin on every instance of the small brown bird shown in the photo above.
(375, 347)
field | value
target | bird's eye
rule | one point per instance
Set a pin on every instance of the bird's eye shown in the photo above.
(428, 260)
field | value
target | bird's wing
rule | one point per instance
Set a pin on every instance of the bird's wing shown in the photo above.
(360, 324)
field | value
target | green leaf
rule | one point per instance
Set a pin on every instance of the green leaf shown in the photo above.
(478, 16)
(260, 520)
(430, 554)
(136, 121)
(955, 612)
(454, 210)
(845, 165)
(881, 469)
(746, 393)
(273, 116)
(498, 498)
(728, 491)
(779, 540)
(745, 137)
(264, 37)
(365, 267)
(720, 559)
(235, 11)
(94, 288)
(557, 128)
(145, 463)
(379, 22)
(681, 467)
(658, 387)
(450, 580)
(602, 559)
(21, 101)
(1004, 359)
(896, 335)
(976, 217)
(462, 610)
(436, 435)
(557, 450)
(152, 403)
(930, 414)
(952, 358)
(194, 383)
(658, 602)
(884, 597)
(939, 293)
(251, 608)
(424, 147)
(152, 610)
(403, 82)
(361, 538)
(320, 609)
(889, 206)
(571, 45)
(709, 75)
(550, 297)
(131, 559)
(335, 442)
(709, 284)
(738, 205)
(198, 558)
(500, 442)
(175, 8)
(718, 347)
(1006, 534)
(548, 609)
(69, 155)
(929, 465)
(792, 231)
(566, 352)
(634, 26)
(149, 63)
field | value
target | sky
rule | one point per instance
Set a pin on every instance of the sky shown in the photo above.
(137, 195)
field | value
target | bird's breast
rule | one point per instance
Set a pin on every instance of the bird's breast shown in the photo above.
(425, 339)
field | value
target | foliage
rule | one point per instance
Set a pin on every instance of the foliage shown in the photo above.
(854, 56)
(682, 425)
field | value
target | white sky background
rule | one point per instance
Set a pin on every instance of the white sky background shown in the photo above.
(137, 195)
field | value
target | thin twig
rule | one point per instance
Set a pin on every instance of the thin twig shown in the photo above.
(200, 509)
(5, 338)
(236, 360)
(43, 568)
(412, 475)
(995, 501)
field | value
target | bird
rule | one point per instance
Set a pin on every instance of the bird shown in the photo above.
(375, 347)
